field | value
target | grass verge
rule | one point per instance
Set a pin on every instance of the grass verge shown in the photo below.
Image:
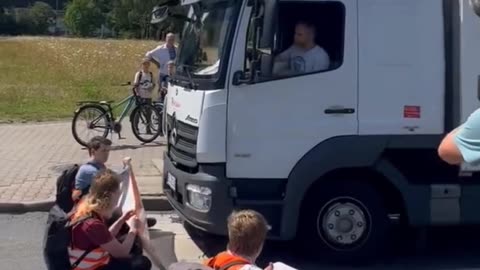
(41, 78)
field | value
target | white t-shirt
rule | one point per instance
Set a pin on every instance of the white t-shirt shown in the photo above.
(162, 55)
(145, 85)
(296, 60)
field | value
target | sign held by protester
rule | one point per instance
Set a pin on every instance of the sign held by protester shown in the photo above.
(131, 200)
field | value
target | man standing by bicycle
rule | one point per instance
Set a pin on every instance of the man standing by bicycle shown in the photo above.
(161, 55)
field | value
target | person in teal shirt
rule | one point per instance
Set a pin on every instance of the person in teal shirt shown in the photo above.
(463, 143)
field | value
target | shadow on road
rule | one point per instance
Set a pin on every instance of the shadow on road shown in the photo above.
(443, 248)
(138, 146)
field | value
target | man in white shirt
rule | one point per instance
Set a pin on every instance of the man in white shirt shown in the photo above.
(304, 56)
(163, 54)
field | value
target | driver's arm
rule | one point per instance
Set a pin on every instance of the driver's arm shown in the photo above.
(280, 63)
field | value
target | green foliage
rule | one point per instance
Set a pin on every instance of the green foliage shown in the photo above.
(83, 17)
(34, 20)
(41, 15)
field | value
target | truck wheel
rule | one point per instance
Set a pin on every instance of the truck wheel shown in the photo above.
(346, 221)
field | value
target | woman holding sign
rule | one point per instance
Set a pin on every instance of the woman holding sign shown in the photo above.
(93, 235)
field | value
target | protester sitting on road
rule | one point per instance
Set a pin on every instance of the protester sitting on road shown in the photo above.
(247, 230)
(463, 143)
(93, 234)
(99, 151)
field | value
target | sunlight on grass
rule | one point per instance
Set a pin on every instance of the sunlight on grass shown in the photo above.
(42, 78)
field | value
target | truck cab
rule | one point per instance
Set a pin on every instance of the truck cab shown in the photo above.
(328, 156)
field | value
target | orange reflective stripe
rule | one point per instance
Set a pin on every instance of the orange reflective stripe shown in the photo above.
(223, 259)
(93, 260)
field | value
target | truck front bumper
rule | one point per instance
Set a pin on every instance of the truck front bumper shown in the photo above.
(212, 177)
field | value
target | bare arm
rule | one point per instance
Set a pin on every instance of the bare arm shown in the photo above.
(448, 150)
(115, 227)
(150, 54)
(120, 250)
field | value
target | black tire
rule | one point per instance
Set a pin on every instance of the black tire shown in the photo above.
(82, 109)
(357, 208)
(137, 114)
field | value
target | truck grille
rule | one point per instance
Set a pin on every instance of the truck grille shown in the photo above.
(182, 144)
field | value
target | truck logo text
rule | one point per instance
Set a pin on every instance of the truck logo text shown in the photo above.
(191, 119)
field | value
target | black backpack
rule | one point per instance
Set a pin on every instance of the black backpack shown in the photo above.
(65, 185)
(57, 239)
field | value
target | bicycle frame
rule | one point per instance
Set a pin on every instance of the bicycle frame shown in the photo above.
(131, 101)
(127, 109)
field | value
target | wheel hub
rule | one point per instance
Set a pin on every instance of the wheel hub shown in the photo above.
(344, 223)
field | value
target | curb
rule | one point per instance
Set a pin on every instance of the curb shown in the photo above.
(150, 203)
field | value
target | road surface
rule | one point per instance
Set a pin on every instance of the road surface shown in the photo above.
(21, 238)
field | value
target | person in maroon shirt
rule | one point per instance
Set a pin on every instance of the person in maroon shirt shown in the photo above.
(106, 251)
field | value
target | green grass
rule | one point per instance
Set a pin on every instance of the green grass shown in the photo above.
(42, 78)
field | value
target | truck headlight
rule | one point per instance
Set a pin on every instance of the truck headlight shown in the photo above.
(200, 198)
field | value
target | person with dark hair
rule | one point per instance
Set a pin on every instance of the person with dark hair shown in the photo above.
(99, 151)
(304, 56)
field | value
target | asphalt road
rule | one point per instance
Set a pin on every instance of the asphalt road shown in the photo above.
(21, 239)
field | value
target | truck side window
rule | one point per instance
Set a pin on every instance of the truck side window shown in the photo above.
(309, 39)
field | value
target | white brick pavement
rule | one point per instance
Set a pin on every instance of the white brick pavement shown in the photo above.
(33, 155)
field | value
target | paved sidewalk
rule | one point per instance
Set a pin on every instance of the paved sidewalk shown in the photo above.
(33, 155)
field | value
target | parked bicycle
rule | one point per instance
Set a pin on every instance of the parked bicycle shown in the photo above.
(99, 119)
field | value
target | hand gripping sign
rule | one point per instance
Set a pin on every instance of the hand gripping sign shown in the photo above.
(131, 199)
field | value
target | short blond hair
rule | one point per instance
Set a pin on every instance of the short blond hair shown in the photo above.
(247, 230)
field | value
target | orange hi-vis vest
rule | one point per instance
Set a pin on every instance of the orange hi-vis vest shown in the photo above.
(95, 259)
(224, 259)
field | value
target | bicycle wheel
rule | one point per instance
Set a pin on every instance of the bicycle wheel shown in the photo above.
(147, 115)
(94, 118)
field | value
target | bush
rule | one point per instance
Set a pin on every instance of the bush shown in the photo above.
(41, 16)
(83, 17)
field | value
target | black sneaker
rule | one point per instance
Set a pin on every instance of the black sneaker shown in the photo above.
(151, 222)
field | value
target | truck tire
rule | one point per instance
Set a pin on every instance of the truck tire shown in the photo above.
(345, 222)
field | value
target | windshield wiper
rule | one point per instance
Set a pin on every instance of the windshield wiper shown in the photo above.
(187, 69)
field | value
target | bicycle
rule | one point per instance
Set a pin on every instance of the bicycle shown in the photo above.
(103, 113)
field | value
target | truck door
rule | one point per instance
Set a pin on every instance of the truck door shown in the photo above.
(274, 121)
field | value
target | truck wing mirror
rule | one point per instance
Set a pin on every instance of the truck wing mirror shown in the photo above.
(159, 14)
(269, 23)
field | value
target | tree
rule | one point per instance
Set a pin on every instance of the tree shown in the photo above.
(83, 17)
(41, 15)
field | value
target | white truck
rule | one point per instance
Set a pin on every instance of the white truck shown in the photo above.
(327, 157)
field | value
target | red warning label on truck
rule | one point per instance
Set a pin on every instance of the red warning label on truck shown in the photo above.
(410, 111)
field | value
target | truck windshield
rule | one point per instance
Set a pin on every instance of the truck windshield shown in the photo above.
(204, 39)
